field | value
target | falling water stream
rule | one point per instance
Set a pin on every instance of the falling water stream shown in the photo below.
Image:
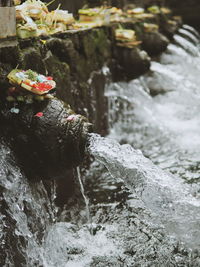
(143, 184)
(86, 200)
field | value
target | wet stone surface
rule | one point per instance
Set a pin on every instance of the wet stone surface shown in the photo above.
(43, 133)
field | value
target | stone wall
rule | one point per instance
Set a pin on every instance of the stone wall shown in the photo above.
(188, 9)
(72, 58)
(75, 59)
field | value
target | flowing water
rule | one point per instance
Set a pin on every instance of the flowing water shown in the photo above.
(143, 185)
(166, 129)
(86, 200)
(25, 214)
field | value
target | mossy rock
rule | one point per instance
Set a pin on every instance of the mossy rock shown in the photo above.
(102, 44)
(154, 43)
(60, 71)
(49, 144)
(130, 63)
(31, 58)
(83, 70)
(89, 45)
(4, 70)
(64, 50)
(10, 55)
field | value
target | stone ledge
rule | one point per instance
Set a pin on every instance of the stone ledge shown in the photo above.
(73, 56)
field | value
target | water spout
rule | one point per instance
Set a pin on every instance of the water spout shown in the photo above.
(164, 195)
(49, 137)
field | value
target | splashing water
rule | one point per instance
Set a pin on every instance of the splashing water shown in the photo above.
(187, 45)
(164, 195)
(166, 128)
(147, 211)
(189, 35)
(26, 212)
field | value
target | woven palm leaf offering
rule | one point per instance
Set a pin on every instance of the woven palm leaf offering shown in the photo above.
(59, 20)
(139, 13)
(165, 10)
(34, 19)
(95, 16)
(116, 14)
(135, 11)
(30, 18)
(126, 38)
(90, 14)
(59, 15)
(84, 25)
(34, 9)
(150, 27)
(26, 30)
(31, 81)
(154, 9)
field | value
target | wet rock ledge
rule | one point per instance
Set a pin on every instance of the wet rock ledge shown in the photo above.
(75, 59)
(50, 146)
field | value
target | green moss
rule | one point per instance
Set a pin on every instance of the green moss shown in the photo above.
(10, 55)
(139, 29)
(89, 45)
(31, 58)
(83, 69)
(60, 71)
(102, 44)
(84, 90)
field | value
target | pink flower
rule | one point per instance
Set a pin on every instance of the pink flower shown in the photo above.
(71, 118)
(39, 114)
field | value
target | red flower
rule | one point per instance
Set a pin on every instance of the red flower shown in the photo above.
(42, 86)
(27, 82)
(39, 114)
(12, 89)
(49, 78)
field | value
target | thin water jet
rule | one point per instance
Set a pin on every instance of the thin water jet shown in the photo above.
(86, 200)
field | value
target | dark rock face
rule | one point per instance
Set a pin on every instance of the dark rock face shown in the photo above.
(133, 62)
(72, 58)
(188, 9)
(75, 59)
(31, 59)
(154, 43)
(49, 145)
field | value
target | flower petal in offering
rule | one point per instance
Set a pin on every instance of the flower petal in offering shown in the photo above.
(31, 81)
(91, 14)
(59, 16)
(135, 11)
(126, 38)
(34, 19)
(150, 27)
(154, 9)
(165, 10)
(125, 35)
